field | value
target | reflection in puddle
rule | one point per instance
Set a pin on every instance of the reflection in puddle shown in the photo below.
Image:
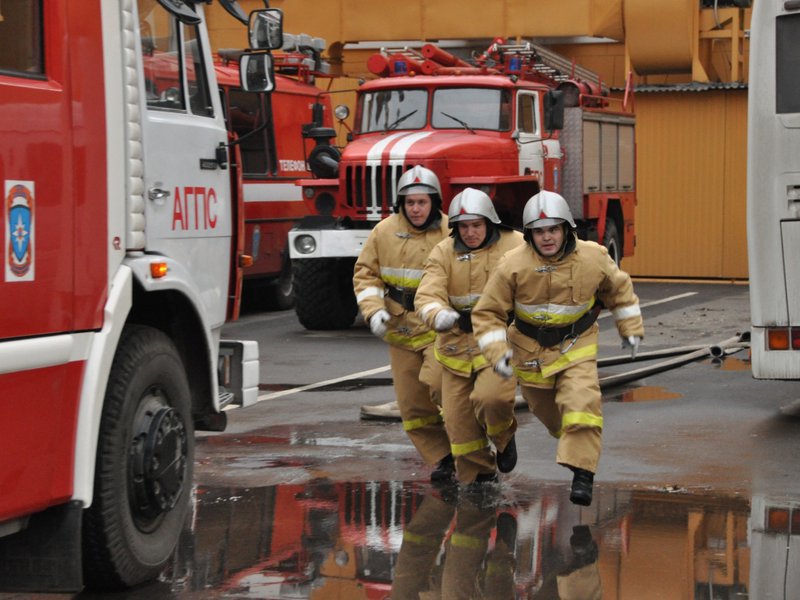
(376, 540)
(645, 393)
(730, 363)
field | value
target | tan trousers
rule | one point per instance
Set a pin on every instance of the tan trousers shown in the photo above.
(415, 572)
(477, 409)
(417, 378)
(572, 412)
(465, 552)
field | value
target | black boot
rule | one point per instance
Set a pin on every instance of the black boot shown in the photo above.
(507, 459)
(445, 470)
(584, 548)
(582, 482)
(507, 530)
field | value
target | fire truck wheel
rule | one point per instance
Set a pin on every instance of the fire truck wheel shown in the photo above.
(281, 291)
(323, 293)
(144, 464)
(613, 241)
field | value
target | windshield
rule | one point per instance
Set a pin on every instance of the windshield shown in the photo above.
(388, 110)
(472, 108)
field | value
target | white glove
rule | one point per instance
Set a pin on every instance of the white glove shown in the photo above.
(632, 342)
(445, 319)
(503, 366)
(377, 322)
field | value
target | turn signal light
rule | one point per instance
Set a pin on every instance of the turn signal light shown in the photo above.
(778, 339)
(245, 260)
(158, 270)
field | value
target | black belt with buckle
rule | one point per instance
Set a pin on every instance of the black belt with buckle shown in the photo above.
(404, 297)
(465, 321)
(553, 336)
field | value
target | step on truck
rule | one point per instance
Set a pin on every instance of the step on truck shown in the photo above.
(512, 120)
(121, 229)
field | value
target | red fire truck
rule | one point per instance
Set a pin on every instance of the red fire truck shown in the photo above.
(277, 131)
(122, 237)
(516, 119)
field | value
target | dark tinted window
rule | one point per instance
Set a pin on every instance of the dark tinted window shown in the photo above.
(21, 38)
(787, 64)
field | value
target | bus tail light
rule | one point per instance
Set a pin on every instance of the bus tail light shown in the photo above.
(778, 338)
(783, 520)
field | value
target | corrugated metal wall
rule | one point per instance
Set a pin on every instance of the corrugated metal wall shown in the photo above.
(691, 152)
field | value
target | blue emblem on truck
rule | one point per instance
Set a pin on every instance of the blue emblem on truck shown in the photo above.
(19, 231)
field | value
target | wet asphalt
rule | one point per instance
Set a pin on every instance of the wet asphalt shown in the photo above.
(301, 498)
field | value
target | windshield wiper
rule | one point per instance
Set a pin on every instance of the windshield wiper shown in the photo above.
(399, 120)
(464, 124)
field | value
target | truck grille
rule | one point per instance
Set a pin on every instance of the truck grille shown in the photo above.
(371, 189)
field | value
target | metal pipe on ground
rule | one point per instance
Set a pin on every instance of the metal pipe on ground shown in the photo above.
(703, 352)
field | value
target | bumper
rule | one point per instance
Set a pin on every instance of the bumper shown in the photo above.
(334, 243)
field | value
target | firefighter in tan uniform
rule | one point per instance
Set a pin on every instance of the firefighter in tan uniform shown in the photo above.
(478, 403)
(386, 277)
(555, 286)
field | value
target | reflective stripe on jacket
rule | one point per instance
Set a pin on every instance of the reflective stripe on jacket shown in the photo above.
(394, 254)
(456, 280)
(552, 292)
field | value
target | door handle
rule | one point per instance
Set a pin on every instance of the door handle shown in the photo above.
(155, 194)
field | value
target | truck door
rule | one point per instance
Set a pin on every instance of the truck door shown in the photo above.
(531, 159)
(187, 190)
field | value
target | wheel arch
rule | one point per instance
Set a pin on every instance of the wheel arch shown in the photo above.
(169, 310)
(172, 312)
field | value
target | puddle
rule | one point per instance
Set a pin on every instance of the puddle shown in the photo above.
(730, 363)
(378, 539)
(646, 393)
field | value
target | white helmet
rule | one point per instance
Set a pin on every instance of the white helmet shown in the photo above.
(419, 180)
(472, 204)
(546, 209)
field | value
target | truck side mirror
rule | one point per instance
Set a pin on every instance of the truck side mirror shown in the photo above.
(553, 110)
(256, 72)
(266, 29)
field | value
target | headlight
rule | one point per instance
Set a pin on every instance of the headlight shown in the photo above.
(341, 112)
(305, 244)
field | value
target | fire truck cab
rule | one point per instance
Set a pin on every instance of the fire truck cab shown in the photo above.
(515, 120)
(273, 129)
(121, 218)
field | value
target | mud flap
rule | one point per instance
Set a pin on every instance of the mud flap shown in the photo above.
(46, 555)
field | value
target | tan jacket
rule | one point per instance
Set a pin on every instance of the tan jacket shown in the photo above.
(456, 280)
(553, 293)
(394, 254)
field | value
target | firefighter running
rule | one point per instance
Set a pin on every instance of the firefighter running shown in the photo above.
(478, 403)
(387, 274)
(555, 285)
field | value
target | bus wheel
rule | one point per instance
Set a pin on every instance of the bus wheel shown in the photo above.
(612, 240)
(144, 464)
(323, 293)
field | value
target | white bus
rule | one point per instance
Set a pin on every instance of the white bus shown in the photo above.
(773, 189)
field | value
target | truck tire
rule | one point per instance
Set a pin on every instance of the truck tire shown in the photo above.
(281, 291)
(144, 464)
(323, 293)
(612, 240)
